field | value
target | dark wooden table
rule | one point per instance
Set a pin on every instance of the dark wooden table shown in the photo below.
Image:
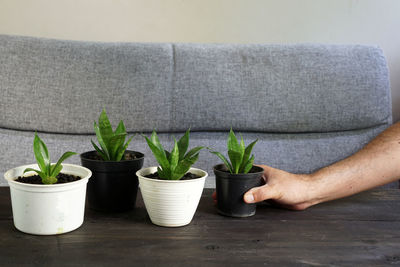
(360, 230)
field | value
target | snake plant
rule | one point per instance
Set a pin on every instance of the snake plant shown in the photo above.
(48, 172)
(239, 155)
(175, 164)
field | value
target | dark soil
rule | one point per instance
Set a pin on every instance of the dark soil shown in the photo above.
(187, 176)
(224, 169)
(62, 178)
(127, 156)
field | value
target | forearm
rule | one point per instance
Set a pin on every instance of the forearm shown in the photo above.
(376, 164)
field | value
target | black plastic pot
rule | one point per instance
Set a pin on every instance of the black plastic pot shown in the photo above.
(114, 184)
(231, 189)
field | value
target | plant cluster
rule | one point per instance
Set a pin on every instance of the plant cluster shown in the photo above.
(175, 164)
(112, 143)
(239, 155)
(48, 172)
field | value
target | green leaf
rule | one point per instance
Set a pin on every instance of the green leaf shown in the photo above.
(154, 139)
(246, 156)
(121, 151)
(162, 174)
(33, 170)
(194, 151)
(63, 157)
(226, 162)
(115, 143)
(233, 143)
(41, 154)
(183, 167)
(183, 144)
(101, 153)
(166, 174)
(242, 146)
(54, 171)
(236, 159)
(158, 154)
(167, 154)
(248, 165)
(120, 128)
(101, 141)
(174, 158)
(105, 128)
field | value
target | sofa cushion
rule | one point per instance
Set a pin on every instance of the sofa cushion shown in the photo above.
(280, 88)
(61, 86)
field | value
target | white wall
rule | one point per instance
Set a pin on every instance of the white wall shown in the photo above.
(245, 21)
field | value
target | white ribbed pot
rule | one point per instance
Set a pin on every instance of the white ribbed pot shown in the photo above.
(48, 209)
(171, 203)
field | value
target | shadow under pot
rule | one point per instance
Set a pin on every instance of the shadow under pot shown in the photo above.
(231, 189)
(114, 184)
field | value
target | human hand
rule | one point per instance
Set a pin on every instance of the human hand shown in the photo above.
(287, 190)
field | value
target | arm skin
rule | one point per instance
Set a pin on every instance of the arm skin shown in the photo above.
(378, 163)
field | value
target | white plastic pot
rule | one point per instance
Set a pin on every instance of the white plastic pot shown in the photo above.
(48, 209)
(171, 203)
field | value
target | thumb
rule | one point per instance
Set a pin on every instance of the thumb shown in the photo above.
(258, 194)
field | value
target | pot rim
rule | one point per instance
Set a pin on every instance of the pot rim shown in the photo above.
(216, 170)
(140, 176)
(141, 156)
(11, 180)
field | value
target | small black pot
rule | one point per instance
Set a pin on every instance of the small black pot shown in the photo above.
(114, 184)
(231, 189)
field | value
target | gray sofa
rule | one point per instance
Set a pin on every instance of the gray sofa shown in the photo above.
(309, 105)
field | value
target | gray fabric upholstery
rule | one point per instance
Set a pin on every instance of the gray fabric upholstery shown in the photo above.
(280, 88)
(62, 86)
(301, 153)
(262, 88)
(309, 105)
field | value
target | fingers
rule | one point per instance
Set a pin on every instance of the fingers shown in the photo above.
(267, 171)
(261, 193)
(258, 194)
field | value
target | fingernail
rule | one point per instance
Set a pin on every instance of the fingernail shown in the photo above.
(249, 198)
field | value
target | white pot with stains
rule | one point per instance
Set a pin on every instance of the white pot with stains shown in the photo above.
(171, 203)
(48, 209)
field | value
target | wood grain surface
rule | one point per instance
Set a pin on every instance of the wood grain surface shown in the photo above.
(363, 230)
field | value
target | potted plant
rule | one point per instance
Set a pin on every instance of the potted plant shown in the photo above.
(49, 202)
(114, 184)
(172, 191)
(235, 177)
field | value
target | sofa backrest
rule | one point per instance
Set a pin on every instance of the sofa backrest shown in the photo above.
(61, 86)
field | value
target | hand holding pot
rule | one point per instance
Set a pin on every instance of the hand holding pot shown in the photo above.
(287, 190)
